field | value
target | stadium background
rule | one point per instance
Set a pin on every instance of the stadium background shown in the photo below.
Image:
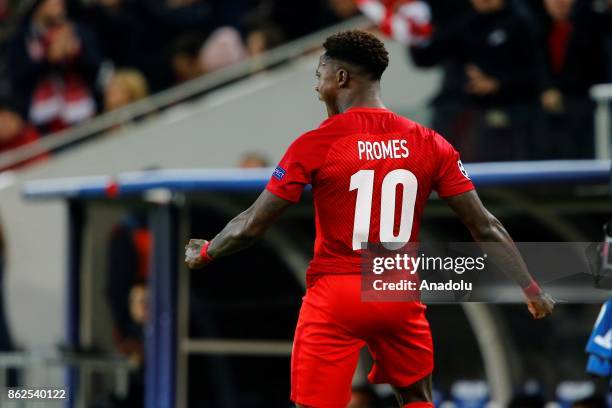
(231, 105)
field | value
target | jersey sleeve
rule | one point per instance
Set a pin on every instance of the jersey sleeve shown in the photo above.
(295, 170)
(451, 179)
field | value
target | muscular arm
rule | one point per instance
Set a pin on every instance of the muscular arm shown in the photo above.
(484, 227)
(241, 232)
(248, 226)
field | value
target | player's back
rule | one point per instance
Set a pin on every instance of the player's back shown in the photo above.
(371, 172)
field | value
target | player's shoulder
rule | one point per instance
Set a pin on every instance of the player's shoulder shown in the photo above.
(428, 138)
(308, 137)
(419, 130)
(415, 127)
(312, 136)
(310, 140)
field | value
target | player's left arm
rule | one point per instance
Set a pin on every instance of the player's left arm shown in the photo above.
(240, 233)
(485, 227)
(453, 184)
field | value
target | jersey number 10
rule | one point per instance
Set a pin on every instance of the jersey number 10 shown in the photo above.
(363, 182)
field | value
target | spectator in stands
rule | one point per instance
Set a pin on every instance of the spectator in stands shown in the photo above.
(253, 160)
(574, 43)
(487, 98)
(224, 47)
(262, 38)
(557, 41)
(128, 266)
(139, 312)
(124, 87)
(120, 30)
(15, 132)
(127, 294)
(132, 348)
(54, 66)
(175, 18)
(185, 57)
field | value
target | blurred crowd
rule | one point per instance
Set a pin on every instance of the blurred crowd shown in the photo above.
(65, 61)
(516, 73)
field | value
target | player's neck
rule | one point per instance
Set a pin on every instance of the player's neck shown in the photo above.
(368, 99)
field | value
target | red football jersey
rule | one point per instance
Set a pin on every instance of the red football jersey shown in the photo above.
(371, 172)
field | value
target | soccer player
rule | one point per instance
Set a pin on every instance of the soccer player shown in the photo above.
(354, 161)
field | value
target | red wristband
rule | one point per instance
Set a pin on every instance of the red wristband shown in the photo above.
(204, 253)
(532, 290)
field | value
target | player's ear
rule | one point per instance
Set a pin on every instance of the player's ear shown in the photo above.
(342, 77)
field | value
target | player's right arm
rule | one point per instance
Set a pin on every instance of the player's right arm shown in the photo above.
(484, 227)
(284, 189)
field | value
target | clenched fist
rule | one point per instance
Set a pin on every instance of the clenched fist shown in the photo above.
(541, 305)
(193, 254)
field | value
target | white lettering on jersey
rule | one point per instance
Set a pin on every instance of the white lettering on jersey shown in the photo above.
(388, 149)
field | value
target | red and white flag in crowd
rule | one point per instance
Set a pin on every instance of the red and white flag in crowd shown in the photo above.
(406, 21)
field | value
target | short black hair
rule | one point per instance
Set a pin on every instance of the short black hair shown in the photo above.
(359, 48)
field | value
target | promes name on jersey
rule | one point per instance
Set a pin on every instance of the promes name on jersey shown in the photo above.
(387, 149)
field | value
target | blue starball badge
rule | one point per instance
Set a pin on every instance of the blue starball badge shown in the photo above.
(279, 173)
